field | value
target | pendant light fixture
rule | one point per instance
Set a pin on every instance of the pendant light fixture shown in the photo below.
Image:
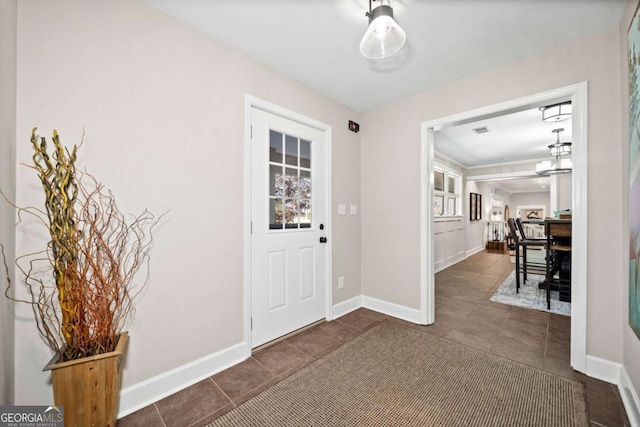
(384, 37)
(556, 112)
(561, 163)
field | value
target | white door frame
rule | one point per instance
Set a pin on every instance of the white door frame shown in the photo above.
(253, 102)
(578, 94)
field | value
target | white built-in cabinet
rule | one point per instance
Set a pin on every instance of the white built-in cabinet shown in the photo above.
(448, 241)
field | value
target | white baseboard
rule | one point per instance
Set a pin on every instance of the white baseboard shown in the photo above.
(384, 307)
(604, 370)
(475, 250)
(137, 396)
(347, 306)
(395, 310)
(629, 398)
(145, 393)
(438, 268)
(616, 373)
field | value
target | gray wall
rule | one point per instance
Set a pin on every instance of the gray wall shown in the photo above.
(561, 193)
(163, 109)
(8, 21)
(476, 231)
(595, 59)
(530, 199)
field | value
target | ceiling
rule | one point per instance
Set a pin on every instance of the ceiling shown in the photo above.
(317, 41)
(512, 138)
(526, 185)
(516, 138)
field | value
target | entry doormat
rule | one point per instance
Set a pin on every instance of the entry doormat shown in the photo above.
(393, 375)
(530, 296)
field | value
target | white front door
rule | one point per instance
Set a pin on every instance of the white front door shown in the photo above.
(288, 207)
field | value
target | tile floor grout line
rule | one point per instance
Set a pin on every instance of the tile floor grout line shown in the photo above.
(265, 366)
(233, 405)
(326, 334)
(159, 414)
(220, 388)
(252, 390)
(312, 357)
(198, 421)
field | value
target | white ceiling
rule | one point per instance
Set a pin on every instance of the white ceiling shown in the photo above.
(526, 185)
(317, 41)
(516, 137)
(519, 137)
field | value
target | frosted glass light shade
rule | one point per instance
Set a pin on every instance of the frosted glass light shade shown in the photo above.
(384, 37)
(557, 167)
(556, 113)
(566, 164)
(560, 149)
(542, 167)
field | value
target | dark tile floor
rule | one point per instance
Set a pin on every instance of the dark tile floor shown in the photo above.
(464, 314)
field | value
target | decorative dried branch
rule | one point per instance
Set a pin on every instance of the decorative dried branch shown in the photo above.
(94, 255)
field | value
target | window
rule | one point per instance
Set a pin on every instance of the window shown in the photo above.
(451, 186)
(438, 181)
(451, 205)
(289, 182)
(438, 205)
(447, 187)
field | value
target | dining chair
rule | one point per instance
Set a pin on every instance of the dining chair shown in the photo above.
(524, 234)
(521, 245)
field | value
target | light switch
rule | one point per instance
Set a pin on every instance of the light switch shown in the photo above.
(353, 209)
(342, 209)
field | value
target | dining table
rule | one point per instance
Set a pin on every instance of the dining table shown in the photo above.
(558, 258)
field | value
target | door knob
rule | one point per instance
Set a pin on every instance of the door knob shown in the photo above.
(323, 240)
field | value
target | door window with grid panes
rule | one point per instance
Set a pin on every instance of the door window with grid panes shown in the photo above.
(290, 196)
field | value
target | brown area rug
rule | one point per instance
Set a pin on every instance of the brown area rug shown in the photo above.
(393, 375)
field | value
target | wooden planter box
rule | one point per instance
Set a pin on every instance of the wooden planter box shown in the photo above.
(89, 388)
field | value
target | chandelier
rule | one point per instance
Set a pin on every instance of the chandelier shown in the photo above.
(561, 152)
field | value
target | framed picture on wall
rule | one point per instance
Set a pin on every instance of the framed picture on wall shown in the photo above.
(533, 214)
(475, 206)
(633, 38)
(472, 206)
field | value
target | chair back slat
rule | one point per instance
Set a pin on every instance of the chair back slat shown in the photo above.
(521, 228)
(513, 230)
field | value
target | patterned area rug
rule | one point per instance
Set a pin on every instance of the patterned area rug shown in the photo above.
(393, 375)
(530, 296)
